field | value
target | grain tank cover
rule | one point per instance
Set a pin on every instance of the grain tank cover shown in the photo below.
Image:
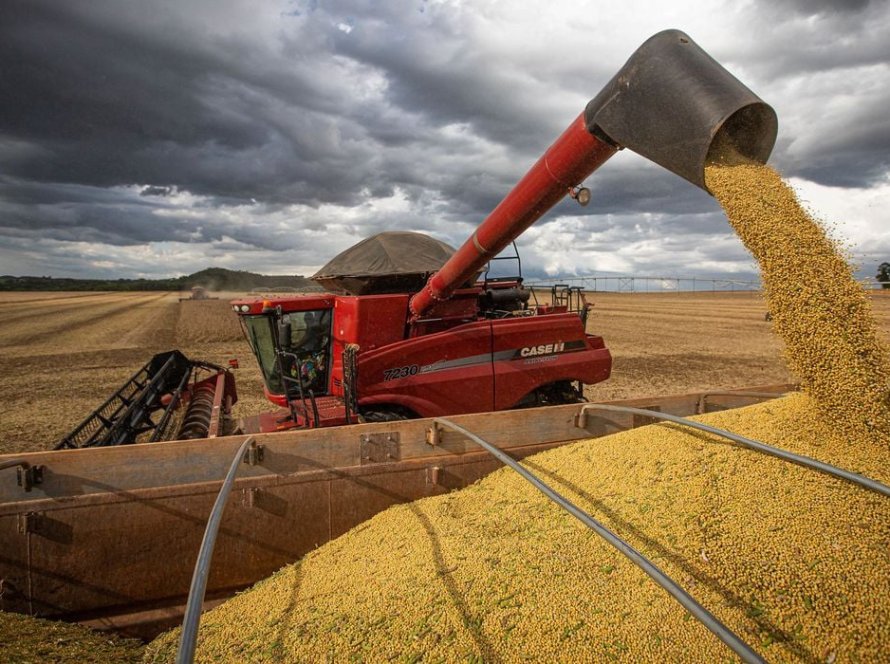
(391, 262)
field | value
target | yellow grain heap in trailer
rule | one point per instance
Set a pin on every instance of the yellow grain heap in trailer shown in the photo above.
(24, 639)
(793, 561)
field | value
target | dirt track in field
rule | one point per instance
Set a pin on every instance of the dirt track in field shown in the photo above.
(63, 354)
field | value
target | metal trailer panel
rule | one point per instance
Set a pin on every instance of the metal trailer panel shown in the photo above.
(111, 534)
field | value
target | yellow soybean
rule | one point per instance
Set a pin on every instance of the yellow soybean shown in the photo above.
(818, 309)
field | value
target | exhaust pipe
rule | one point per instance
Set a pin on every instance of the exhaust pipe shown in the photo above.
(671, 102)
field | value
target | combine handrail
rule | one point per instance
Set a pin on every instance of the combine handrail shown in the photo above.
(192, 618)
(784, 455)
(739, 647)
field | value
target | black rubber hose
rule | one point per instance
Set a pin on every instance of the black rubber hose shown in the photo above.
(800, 460)
(739, 647)
(192, 618)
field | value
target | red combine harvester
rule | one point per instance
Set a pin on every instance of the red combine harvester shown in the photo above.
(334, 359)
(391, 344)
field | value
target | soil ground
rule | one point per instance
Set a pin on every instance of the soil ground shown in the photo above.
(64, 353)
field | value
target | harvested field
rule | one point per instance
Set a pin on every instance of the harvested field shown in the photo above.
(207, 322)
(65, 353)
(26, 640)
(104, 322)
(673, 343)
(52, 376)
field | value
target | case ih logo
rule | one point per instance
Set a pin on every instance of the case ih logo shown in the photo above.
(544, 349)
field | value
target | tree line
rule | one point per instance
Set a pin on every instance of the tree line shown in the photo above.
(883, 275)
(214, 279)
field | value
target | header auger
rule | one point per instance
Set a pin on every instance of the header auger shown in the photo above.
(145, 408)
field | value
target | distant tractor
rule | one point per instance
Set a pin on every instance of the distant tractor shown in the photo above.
(198, 293)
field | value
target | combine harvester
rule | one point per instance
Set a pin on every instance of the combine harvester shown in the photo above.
(197, 293)
(109, 536)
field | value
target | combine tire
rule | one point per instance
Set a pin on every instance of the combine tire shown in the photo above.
(390, 414)
(555, 394)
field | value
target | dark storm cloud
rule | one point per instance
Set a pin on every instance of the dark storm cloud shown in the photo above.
(864, 158)
(230, 126)
(78, 213)
(113, 97)
(486, 93)
(795, 37)
(823, 65)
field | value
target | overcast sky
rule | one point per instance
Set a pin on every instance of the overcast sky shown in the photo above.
(158, 138)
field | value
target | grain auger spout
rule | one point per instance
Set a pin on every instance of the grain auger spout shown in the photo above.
(671, 103)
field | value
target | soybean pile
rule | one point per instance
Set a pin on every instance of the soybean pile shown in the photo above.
(32, 640)
(818, 309)
(793, 561)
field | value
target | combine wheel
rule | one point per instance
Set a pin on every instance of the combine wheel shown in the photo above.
(554, 394)
(387, 414)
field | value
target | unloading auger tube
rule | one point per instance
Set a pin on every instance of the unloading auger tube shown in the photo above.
(671, 102)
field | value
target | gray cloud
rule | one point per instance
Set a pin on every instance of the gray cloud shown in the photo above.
(283, 136)
(817, 7)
